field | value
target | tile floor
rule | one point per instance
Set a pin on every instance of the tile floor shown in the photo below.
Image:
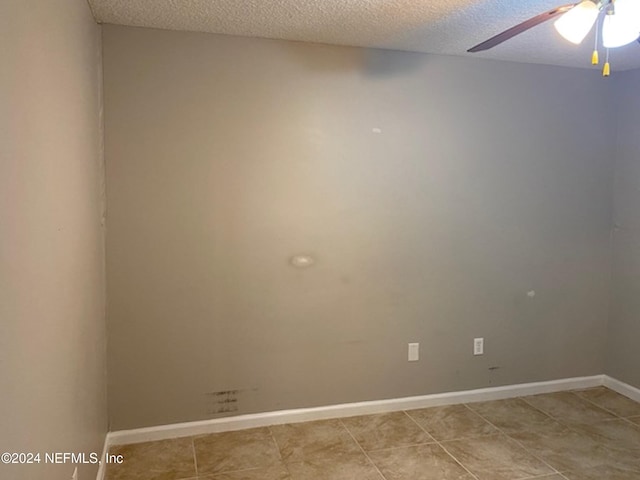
(581, 435)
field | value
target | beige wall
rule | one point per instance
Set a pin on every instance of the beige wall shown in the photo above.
(227, 156)
(624, 326)
(52, 326)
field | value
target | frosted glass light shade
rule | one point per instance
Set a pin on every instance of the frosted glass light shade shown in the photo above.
(577, 22)
(630, 9)
(623, 26)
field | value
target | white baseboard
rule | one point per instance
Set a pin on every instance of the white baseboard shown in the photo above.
(622, 388)
(242, 422)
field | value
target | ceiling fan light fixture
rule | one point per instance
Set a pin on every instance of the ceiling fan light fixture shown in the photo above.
(630, 9)
(621, 26)
(577, 22)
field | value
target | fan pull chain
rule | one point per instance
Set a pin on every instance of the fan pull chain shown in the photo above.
(606, 71)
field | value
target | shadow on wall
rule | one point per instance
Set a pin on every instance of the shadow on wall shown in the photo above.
(369, 62)
(420, 31)
(417, 19)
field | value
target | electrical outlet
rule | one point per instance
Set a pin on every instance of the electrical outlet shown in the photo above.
(75, 474)
(414, 352)
(478, 346)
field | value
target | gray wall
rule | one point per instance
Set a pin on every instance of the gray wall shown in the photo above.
(227, 156)
(624, 326)
(52, 325)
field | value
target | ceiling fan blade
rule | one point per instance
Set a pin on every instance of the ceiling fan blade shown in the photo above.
(521, 27)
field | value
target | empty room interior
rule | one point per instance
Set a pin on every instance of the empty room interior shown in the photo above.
(319, 239)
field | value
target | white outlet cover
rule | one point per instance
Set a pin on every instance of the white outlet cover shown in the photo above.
(478, 346)
(414, 352)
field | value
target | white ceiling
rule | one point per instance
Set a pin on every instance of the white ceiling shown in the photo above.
(447, 27)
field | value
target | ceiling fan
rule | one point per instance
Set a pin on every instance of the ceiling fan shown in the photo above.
(620, 26)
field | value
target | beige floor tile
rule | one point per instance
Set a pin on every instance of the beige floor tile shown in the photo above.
(350, 466)
(231, 451)
(313, 440)
(611, 401)
(496, 457)
(278, 472)
(163, 460)
(619, 440)
(617, 434)
(564, 449)
(514, 415)
(422, 462)
(451, 422)
(623, 458)
(603, 472)
(568, 407)
(387, 430)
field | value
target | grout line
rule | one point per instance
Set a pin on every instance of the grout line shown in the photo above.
(457, 461)
(403, 446)
(595, 404)
(195, 459)
(228, 472)
(524, 399)
(406, 412)
(284, 464)
(573, 427)
(469, 437)
(574, 392)
(631, 422)
(273, 437)
(542, 477)
(554, 470)
(555, 419)
(362, 449)
(442, 446)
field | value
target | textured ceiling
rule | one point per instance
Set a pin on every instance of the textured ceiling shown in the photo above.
(447, 27)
